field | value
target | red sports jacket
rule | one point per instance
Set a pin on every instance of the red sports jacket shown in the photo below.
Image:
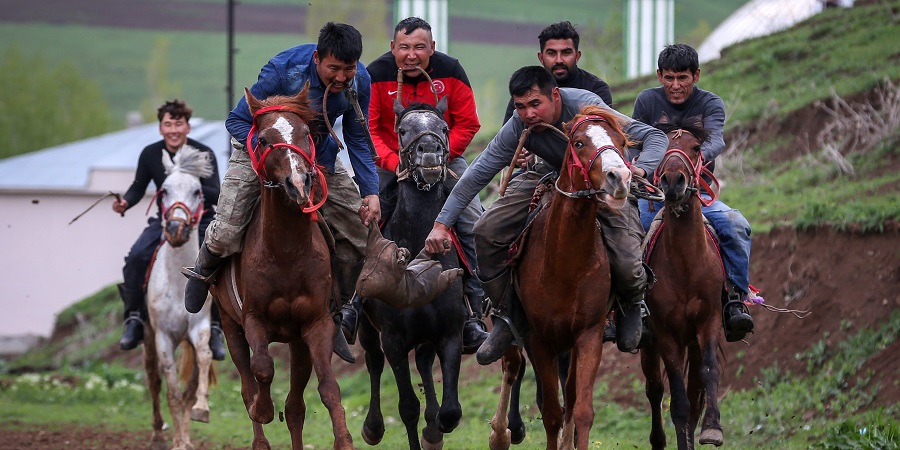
(449, 80)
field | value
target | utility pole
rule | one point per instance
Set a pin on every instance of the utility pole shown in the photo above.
(229, 87)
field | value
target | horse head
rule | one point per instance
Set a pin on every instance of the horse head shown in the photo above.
(594, 165)
(679, 173)
(180, 196)
(423, 136)
(284, 156)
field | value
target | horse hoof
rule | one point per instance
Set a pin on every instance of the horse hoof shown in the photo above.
(200, 415)
(712, 436)
(159, 444)
(372, 437)
(263, 417)
(261, 444)
(432, 445)
(517, 435)
(499, 441)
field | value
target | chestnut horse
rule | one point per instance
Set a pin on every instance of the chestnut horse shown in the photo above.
(686, 301)
(564, 280)
(278, 288)
(171, 326)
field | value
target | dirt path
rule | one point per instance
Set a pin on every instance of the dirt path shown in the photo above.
(183, 15)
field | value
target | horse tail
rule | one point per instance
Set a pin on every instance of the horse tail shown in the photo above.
(188, 361)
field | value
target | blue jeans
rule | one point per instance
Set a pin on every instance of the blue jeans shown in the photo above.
(733, 232)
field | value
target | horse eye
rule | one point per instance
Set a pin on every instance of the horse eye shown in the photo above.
(696, 148)
(162, 192)
(198, 193)
(263, 142)
(401, 132)
(446, 130)
(578, 144)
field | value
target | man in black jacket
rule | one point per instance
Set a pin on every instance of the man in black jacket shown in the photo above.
(559, 54)
(174, 127)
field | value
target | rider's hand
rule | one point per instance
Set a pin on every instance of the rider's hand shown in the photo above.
(525, 158)
(120, 205)
(438, 241)
(370, 210)
(637, 171)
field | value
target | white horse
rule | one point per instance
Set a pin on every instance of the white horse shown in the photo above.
(181, 202)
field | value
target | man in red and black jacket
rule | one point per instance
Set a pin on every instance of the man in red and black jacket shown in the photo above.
(412, 48)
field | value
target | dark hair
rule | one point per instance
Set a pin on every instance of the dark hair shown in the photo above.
(341, 41)
(561, 30)
(176, 108)
(678, 57)
(527, 77)
(410, 24)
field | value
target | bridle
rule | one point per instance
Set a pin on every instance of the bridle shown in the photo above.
(193, 217)
(258, 157)
(575, 163)
(406, 151)
(695, 174)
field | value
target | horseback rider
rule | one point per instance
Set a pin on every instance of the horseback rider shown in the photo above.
(331, 65)
(678, 98)
(174, 126)
(559, 54)
(413, 48)
(538, 100)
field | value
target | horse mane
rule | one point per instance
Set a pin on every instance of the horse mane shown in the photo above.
(419, 106)
(193, 161)
(298, 105)
(702, 134)
(606, 114)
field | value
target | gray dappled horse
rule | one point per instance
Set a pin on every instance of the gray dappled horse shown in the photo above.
(432, 329)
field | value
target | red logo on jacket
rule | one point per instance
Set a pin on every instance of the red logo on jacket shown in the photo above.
(439, 86)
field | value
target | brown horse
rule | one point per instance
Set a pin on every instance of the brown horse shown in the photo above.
(685, 303)
(564, 280)
(278, 288)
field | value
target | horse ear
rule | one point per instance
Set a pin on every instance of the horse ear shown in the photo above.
(167, 161)
(398, 107)
(442, 105)
(664, 118)
(303, 95)
(252, 102)
(696, 121)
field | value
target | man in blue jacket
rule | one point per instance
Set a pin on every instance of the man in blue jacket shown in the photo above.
(334, 62)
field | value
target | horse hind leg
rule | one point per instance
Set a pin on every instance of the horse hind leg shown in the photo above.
(500, 434)
(516, 425)
(654, 390)
(154, 385)
(432, 436)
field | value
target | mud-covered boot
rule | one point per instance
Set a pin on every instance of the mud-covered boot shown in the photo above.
(630, 325)
(341, 347)
(474, 330)
(509, 319)
(735, 316)
(217, 341)
(133, 330)
(350, 318)
(197, 288)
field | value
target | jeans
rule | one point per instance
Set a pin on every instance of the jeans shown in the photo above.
(733, 231)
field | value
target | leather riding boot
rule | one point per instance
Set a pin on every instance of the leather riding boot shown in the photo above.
(609, 330)
(350, 318)
(735, 316)
(217, 341)
(474, 330)
(509, 319)
(341, 347)
(629, 324)
(133, 331)
(197, 288)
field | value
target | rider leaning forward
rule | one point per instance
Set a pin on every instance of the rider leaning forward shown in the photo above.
(537, 99)
(333, 61)
(413, 49)
(679, 100)
(174, 126)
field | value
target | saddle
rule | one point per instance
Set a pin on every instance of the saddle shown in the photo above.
(390, 276)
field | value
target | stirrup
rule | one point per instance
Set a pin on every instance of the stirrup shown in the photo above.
(189, 273)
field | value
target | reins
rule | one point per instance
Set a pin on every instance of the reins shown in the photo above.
(696, 172)
(258, 159)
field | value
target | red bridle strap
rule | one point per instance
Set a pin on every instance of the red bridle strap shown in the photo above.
(258, 158)
(696, 172)
(576, 162)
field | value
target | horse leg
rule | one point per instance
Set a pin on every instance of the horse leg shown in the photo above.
(450, 354)
(695, 389)
(261, 408)
(294, 406)
(584, 364)
(711, 431)
(199, 338)
(167, 367)
(154, 385)
(239, 349)
(408, 404)
(514, 416)
(373, 427)
(500, 435)
(319, 340)
(673, 358)
(545, 363)
(654, 390)
(432, 437)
